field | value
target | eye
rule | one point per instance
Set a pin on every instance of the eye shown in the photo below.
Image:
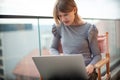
(65, 14)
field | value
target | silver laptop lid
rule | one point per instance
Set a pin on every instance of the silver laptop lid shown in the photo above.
(56, 65)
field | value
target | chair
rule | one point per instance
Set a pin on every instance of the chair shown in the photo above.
(104, 49)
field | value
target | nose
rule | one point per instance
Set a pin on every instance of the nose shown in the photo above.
(63, 18)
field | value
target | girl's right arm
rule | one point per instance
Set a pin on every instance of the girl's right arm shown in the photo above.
(55, 41)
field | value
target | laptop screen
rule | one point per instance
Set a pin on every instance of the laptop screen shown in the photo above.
(61, 66)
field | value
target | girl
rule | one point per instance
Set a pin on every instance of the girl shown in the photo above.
(75, 35)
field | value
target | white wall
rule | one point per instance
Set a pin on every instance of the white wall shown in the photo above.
(109, 9)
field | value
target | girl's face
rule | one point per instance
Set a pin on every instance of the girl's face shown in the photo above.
(67, 18)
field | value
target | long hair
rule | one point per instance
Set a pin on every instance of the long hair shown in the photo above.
(65, 6)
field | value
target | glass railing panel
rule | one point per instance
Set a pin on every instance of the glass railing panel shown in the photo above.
(45, 35)
(19, 42)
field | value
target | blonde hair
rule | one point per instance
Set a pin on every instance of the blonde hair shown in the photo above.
(65, 6)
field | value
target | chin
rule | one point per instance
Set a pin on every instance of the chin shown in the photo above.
(66, 24)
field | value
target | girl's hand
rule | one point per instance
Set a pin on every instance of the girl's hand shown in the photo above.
(89, 69)
(61, 54)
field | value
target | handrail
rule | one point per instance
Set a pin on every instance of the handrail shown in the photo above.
(24, 16)
(45, 17)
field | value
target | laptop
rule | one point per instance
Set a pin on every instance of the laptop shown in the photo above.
(61, 66)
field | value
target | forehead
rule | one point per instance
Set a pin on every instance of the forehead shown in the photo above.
(62, 13)
(59, 12)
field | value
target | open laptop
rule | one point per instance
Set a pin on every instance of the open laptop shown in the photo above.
(61, 66)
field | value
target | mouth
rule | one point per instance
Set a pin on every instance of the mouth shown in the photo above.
(66, 22)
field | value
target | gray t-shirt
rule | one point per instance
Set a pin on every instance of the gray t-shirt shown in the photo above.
(80, 39)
